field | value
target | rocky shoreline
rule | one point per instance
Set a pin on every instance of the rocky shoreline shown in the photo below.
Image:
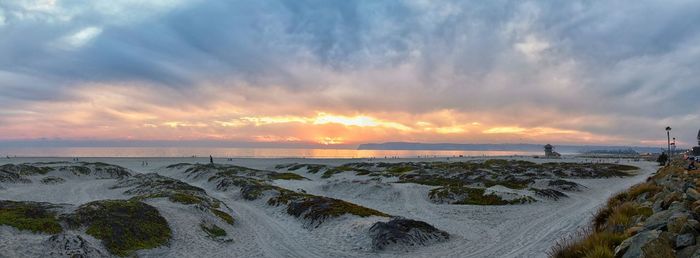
(657, 218)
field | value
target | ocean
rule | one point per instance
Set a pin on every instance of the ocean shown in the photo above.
(241, 152)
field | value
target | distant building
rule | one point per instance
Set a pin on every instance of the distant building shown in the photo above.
(550, 153)
(696, 150)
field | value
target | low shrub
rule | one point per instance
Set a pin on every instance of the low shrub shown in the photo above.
(213, 230)
(124, 226)
(29, 216)
(286, 176)
(224, 216)
(587, 243)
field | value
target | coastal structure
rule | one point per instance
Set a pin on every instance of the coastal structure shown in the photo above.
(550, 153)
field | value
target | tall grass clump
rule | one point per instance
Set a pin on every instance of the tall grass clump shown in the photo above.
(608, 226)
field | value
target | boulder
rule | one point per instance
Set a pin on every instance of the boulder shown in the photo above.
(693, 224)
(693, 195)
(677, 206)
(657, 206)
(685, 240)
(695, 254)
(676, 222)
(661, 246)
(632, 247)
(686, 251)
(658, 220)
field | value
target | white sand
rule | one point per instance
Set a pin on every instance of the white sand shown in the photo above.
(264, 231)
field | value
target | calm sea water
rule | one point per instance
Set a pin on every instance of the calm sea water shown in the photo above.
(240, 152)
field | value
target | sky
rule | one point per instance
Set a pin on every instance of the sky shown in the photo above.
(350, 72)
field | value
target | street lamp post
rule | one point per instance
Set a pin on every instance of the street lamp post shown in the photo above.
(673, 146)
(668, 136)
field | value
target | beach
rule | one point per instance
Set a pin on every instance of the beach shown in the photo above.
(525, 230)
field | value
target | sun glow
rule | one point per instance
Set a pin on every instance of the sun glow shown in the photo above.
(322, 118)
(330, 140)
(105, 114)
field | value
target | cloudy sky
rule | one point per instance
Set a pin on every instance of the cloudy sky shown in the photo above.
(331, 72)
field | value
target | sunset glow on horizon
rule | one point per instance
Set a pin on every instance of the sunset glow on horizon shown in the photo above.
(351, 73)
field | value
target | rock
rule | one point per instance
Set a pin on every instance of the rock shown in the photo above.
(690, 226)
(677, 206)
(686, 251)
(671, 199)
(661, 246)
(621, 249)
(694, 224)
(633, 230)
(684, 240)
(676, 222)
(632, 247)
(693, 195)
(658, 220)
(400, 234)
(642, 197)
(657, 207)
(71, 245)
(694, 205)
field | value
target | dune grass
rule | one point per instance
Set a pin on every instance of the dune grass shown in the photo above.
(588, 243)
(611, 224)
(28, 216)
(213, 230)
(124, 226)
(473, 196)
(286, 176)
(224, 216)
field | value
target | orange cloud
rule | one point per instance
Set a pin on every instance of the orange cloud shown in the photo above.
(111, 112)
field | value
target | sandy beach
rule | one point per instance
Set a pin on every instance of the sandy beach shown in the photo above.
(526, 230)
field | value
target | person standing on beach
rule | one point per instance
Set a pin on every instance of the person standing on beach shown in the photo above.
(211, 159)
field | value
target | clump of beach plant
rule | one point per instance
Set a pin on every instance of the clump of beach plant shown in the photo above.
(212, 230)
(32, 216)
(473, 196)
(318, 208)
(286, 176)
(124, 226)
(587, 243)
(224, 216)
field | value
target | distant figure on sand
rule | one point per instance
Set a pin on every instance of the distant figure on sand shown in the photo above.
(211, 159)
